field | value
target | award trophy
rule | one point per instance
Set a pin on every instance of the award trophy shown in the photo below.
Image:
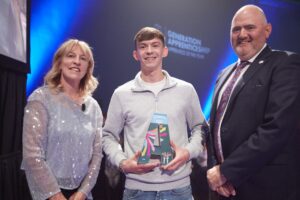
(157, 141)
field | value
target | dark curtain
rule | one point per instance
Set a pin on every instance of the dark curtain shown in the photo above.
(13, 184)
(12, 101)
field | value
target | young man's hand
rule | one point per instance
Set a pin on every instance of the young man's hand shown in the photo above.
(182, 155)
(131, 166)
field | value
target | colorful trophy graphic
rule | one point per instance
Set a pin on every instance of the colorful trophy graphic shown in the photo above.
(157, 141)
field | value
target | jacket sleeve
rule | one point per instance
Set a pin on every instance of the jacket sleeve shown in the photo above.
(111, 132)
(197, 125)
(94, 166)
(41, 181)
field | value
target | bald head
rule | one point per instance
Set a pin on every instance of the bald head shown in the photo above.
(249, 31)
(251, 10)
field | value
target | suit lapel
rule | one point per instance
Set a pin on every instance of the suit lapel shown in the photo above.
(253, 68)
(223, 78)
(219, 83)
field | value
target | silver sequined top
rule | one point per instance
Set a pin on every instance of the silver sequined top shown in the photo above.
(61, 143)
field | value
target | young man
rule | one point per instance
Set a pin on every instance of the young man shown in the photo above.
(254, 140)
(132, 107)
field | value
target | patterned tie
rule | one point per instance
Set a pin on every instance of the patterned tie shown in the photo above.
(221, 109)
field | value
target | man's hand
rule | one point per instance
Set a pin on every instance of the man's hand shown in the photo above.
(217, 182)
(226, 190)
(182, 155)
(131, 166)
(215, 178)
(78, 196)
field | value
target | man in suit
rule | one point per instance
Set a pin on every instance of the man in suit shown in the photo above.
(252, 145)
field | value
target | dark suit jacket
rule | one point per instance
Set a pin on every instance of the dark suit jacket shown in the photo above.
(259, 134)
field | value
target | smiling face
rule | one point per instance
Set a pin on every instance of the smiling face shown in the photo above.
(249, 31)
(150, 54)
(74, 65)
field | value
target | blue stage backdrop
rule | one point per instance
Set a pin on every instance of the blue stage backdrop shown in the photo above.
(197, 37)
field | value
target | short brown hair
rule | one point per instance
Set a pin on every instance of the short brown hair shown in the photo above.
(87, 84)
(148, 33)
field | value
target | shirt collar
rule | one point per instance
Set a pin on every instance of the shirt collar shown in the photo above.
(253, 58)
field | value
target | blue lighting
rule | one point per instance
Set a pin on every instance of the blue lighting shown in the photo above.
(51, 22)
(280, 3)
(229, 58)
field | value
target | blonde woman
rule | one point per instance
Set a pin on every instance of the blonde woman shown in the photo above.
(62, 130)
